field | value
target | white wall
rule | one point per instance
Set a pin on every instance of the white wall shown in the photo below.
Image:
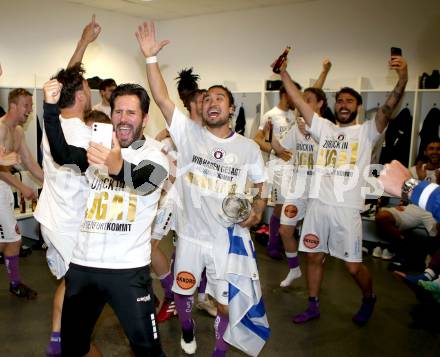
(234, 48)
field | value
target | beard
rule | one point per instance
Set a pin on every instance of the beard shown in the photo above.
(352, 117)
(218, 124)
(137, 135)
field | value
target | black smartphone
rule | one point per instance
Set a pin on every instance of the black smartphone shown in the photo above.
(396, 51)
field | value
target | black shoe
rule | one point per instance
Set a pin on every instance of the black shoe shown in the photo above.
(23, 291)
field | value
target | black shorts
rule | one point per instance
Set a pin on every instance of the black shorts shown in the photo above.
(130, 295)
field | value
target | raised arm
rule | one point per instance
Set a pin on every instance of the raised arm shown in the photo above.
(384, 113)
(296, 96)
(326, 65)
(89, 34)
(146, 36)
(62, 153)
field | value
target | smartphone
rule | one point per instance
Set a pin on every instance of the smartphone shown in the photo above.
(396, 51)
(102, 134)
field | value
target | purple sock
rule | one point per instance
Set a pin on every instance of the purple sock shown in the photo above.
(203, 282)
(220, 324)
(12, 269)
(292, 262)
(184, 305)
(311, 313)
(274, 238)
(54, 348)
(167, 284)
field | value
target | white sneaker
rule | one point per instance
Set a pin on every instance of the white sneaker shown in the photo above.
(190, 347)
(387, 255)
(293, 274)
(377, 252)
(208, 305)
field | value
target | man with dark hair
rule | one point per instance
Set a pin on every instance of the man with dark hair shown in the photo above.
(12, 140)
(215, 162)
(106, 88)
(110, 262)
(332, 224)
(63, 198)
(282, 118)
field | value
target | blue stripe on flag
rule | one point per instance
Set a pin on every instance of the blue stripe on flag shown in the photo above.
(232, 292)
(236, 244)
(259, 330)
(257, 310)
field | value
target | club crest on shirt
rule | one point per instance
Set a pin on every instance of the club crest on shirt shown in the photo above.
(218, 154)
(341, 137)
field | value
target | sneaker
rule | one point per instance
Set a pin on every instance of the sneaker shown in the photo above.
(208, 305)
(188, 341)
(167, 311)
(377, 252)
(22, 290)
(365, 311)
(309, 314)
(398, 264)
(263, 230)
(387, 255)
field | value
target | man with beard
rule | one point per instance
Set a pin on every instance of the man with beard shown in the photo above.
(212, 162)
(393, 221)
(12, 140)
(110, 262)
(332, 224)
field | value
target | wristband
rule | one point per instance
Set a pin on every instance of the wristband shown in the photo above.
(151, 59)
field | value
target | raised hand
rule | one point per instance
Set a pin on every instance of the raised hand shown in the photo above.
(98, 154)
(398, 63)
(146, 36)
(52, 91)
(91, 31)
(326, 65)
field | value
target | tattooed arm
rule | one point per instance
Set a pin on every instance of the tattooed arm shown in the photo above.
(383, 116)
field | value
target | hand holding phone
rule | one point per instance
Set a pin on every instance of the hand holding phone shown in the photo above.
(396, 51)
(102, 134)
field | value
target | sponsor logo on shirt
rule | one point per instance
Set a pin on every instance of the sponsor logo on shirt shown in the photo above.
(218, 154)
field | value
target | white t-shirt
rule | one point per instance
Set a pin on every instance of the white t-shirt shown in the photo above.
(103, 108)
(342, 162)
(304, 149)
(208, 168)
(430, 174)
(62, 201)
(281, 120)
(116, 229)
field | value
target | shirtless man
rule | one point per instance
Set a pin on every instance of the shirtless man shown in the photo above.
(12, 139)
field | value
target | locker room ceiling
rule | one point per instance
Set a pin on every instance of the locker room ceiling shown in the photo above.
(173, 9)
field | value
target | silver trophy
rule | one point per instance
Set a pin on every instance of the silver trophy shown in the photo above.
(235, 208)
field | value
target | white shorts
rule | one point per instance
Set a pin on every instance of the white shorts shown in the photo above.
(59, 250)
(293, 211)
(413, 216)
(333, 230)
(9, 231)
(165, 217)
(191, 259)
